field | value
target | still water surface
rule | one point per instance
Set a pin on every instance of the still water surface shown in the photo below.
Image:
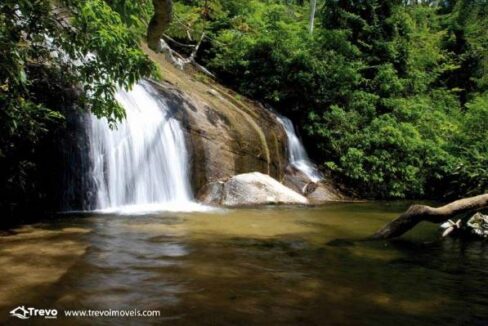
(263, 266)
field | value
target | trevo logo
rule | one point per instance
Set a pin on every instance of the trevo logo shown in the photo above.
(22, 312)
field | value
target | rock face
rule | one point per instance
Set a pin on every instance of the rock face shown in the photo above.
(226, 133)
(247, 190)
(229, 135)
(316, 192)
(297, 180)
(323, 192)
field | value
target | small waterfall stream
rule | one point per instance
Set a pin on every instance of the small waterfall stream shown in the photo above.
(297, 154)
(142, 163)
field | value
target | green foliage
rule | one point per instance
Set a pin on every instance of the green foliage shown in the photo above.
(85, 41)
(110, 56)
(471, 174)
(134, 14)
(378, 90)
(467, 42)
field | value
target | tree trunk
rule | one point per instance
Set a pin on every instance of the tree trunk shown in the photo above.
(313, 9)
(163, 13)
(418, 213)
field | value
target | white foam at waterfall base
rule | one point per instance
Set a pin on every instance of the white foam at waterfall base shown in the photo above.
(297, 154)
(141, 165)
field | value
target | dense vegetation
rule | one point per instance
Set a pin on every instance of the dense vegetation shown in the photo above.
(391, 97)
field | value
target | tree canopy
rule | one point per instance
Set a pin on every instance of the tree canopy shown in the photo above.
(385, 92)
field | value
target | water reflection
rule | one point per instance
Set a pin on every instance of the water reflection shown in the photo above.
(130, 264)
(248, 266)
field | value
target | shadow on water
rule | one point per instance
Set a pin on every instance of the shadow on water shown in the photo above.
(247, 266)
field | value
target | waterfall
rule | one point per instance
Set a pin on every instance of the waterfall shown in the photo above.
(142, 163)
(297, 154)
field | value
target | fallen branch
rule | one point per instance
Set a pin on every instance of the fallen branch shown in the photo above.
(179, 61)
(418, 213)
(178, 43)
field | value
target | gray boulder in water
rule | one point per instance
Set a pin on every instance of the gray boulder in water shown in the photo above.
(478, 224)
(249, 189)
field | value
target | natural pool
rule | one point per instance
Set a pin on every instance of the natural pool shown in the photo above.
(271, 265)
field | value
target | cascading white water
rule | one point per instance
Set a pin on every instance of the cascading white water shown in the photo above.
(296, 152)
(142, 163)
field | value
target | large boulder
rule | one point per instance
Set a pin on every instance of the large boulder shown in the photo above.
(247, 190)
(227, 134)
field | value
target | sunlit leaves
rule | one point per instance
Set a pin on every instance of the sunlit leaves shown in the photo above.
(369, 90)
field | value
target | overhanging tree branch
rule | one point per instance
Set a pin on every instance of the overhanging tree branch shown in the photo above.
(418, 213)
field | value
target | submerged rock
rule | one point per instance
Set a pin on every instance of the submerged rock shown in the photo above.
(478, 224)
(249, 189)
